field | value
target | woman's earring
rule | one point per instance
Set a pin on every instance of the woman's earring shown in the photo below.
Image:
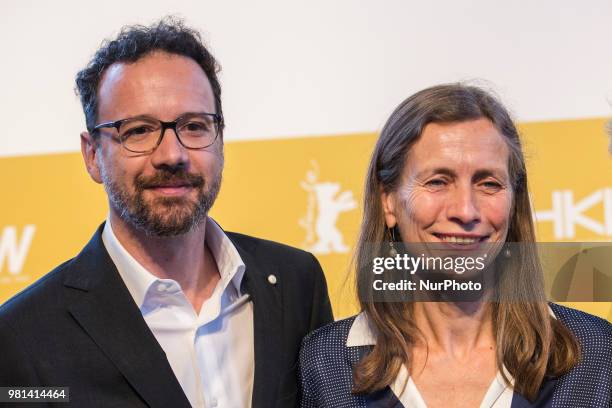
(392, 250)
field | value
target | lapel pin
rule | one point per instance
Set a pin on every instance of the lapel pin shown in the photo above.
(272, 279)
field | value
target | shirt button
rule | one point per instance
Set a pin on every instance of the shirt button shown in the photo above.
(162, 287)
(213, 403)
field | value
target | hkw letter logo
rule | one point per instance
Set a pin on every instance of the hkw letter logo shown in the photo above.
(565, 214)
(13, 252)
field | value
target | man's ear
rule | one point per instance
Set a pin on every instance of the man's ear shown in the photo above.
(89, 152)
(388, 201)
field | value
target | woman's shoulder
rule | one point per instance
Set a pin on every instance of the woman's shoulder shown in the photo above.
(324, 354)
(330, 336)
(594, 335)
(326, 365)
(589, 383)
(586, 327)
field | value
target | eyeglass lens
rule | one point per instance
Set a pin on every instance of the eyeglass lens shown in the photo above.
(143, 134)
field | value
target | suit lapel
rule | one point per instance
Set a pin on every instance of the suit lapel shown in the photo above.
(267, 320)
(104, 308)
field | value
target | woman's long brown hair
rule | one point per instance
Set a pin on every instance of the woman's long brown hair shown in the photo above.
(530, 343)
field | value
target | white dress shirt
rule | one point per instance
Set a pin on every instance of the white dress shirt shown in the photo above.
(361, 334)
(210, 350)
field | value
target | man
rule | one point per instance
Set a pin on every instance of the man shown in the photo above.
(162, 308)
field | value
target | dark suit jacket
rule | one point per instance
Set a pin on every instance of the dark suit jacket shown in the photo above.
(326, 369)
(79, 327)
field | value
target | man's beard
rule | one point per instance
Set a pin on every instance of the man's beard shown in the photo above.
(163, 216)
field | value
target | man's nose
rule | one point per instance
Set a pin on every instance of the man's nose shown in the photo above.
(170, 152)
(463, 206)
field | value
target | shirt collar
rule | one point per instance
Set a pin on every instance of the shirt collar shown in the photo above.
(138, 279)
(363, 334)
(230, 264)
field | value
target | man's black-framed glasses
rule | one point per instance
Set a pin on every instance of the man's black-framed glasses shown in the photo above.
(142, 134)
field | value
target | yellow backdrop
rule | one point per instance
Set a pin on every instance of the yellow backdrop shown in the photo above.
(306, 192)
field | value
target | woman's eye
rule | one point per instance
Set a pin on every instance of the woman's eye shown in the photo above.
(436, 184)
(492, 186)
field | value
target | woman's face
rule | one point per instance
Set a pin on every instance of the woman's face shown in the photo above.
(455, 187)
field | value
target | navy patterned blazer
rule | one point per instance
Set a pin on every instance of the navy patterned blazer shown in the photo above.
(326, 376)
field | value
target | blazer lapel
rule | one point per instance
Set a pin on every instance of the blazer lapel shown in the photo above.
(544, 399)
(384, 398)
(268, 328)
(104, 308)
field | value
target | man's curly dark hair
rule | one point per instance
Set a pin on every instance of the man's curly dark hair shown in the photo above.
(137, 41)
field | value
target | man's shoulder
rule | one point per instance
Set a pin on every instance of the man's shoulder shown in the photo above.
(260, 247)
(44, 291)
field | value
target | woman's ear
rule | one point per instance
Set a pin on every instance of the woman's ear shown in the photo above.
(388, 201)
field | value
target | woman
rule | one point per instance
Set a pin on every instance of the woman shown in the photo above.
(448, 170)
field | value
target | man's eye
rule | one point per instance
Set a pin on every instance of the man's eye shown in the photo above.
(137, 131)
(195, 127)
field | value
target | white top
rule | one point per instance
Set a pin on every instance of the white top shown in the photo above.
(361, 334)
(210, 352)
